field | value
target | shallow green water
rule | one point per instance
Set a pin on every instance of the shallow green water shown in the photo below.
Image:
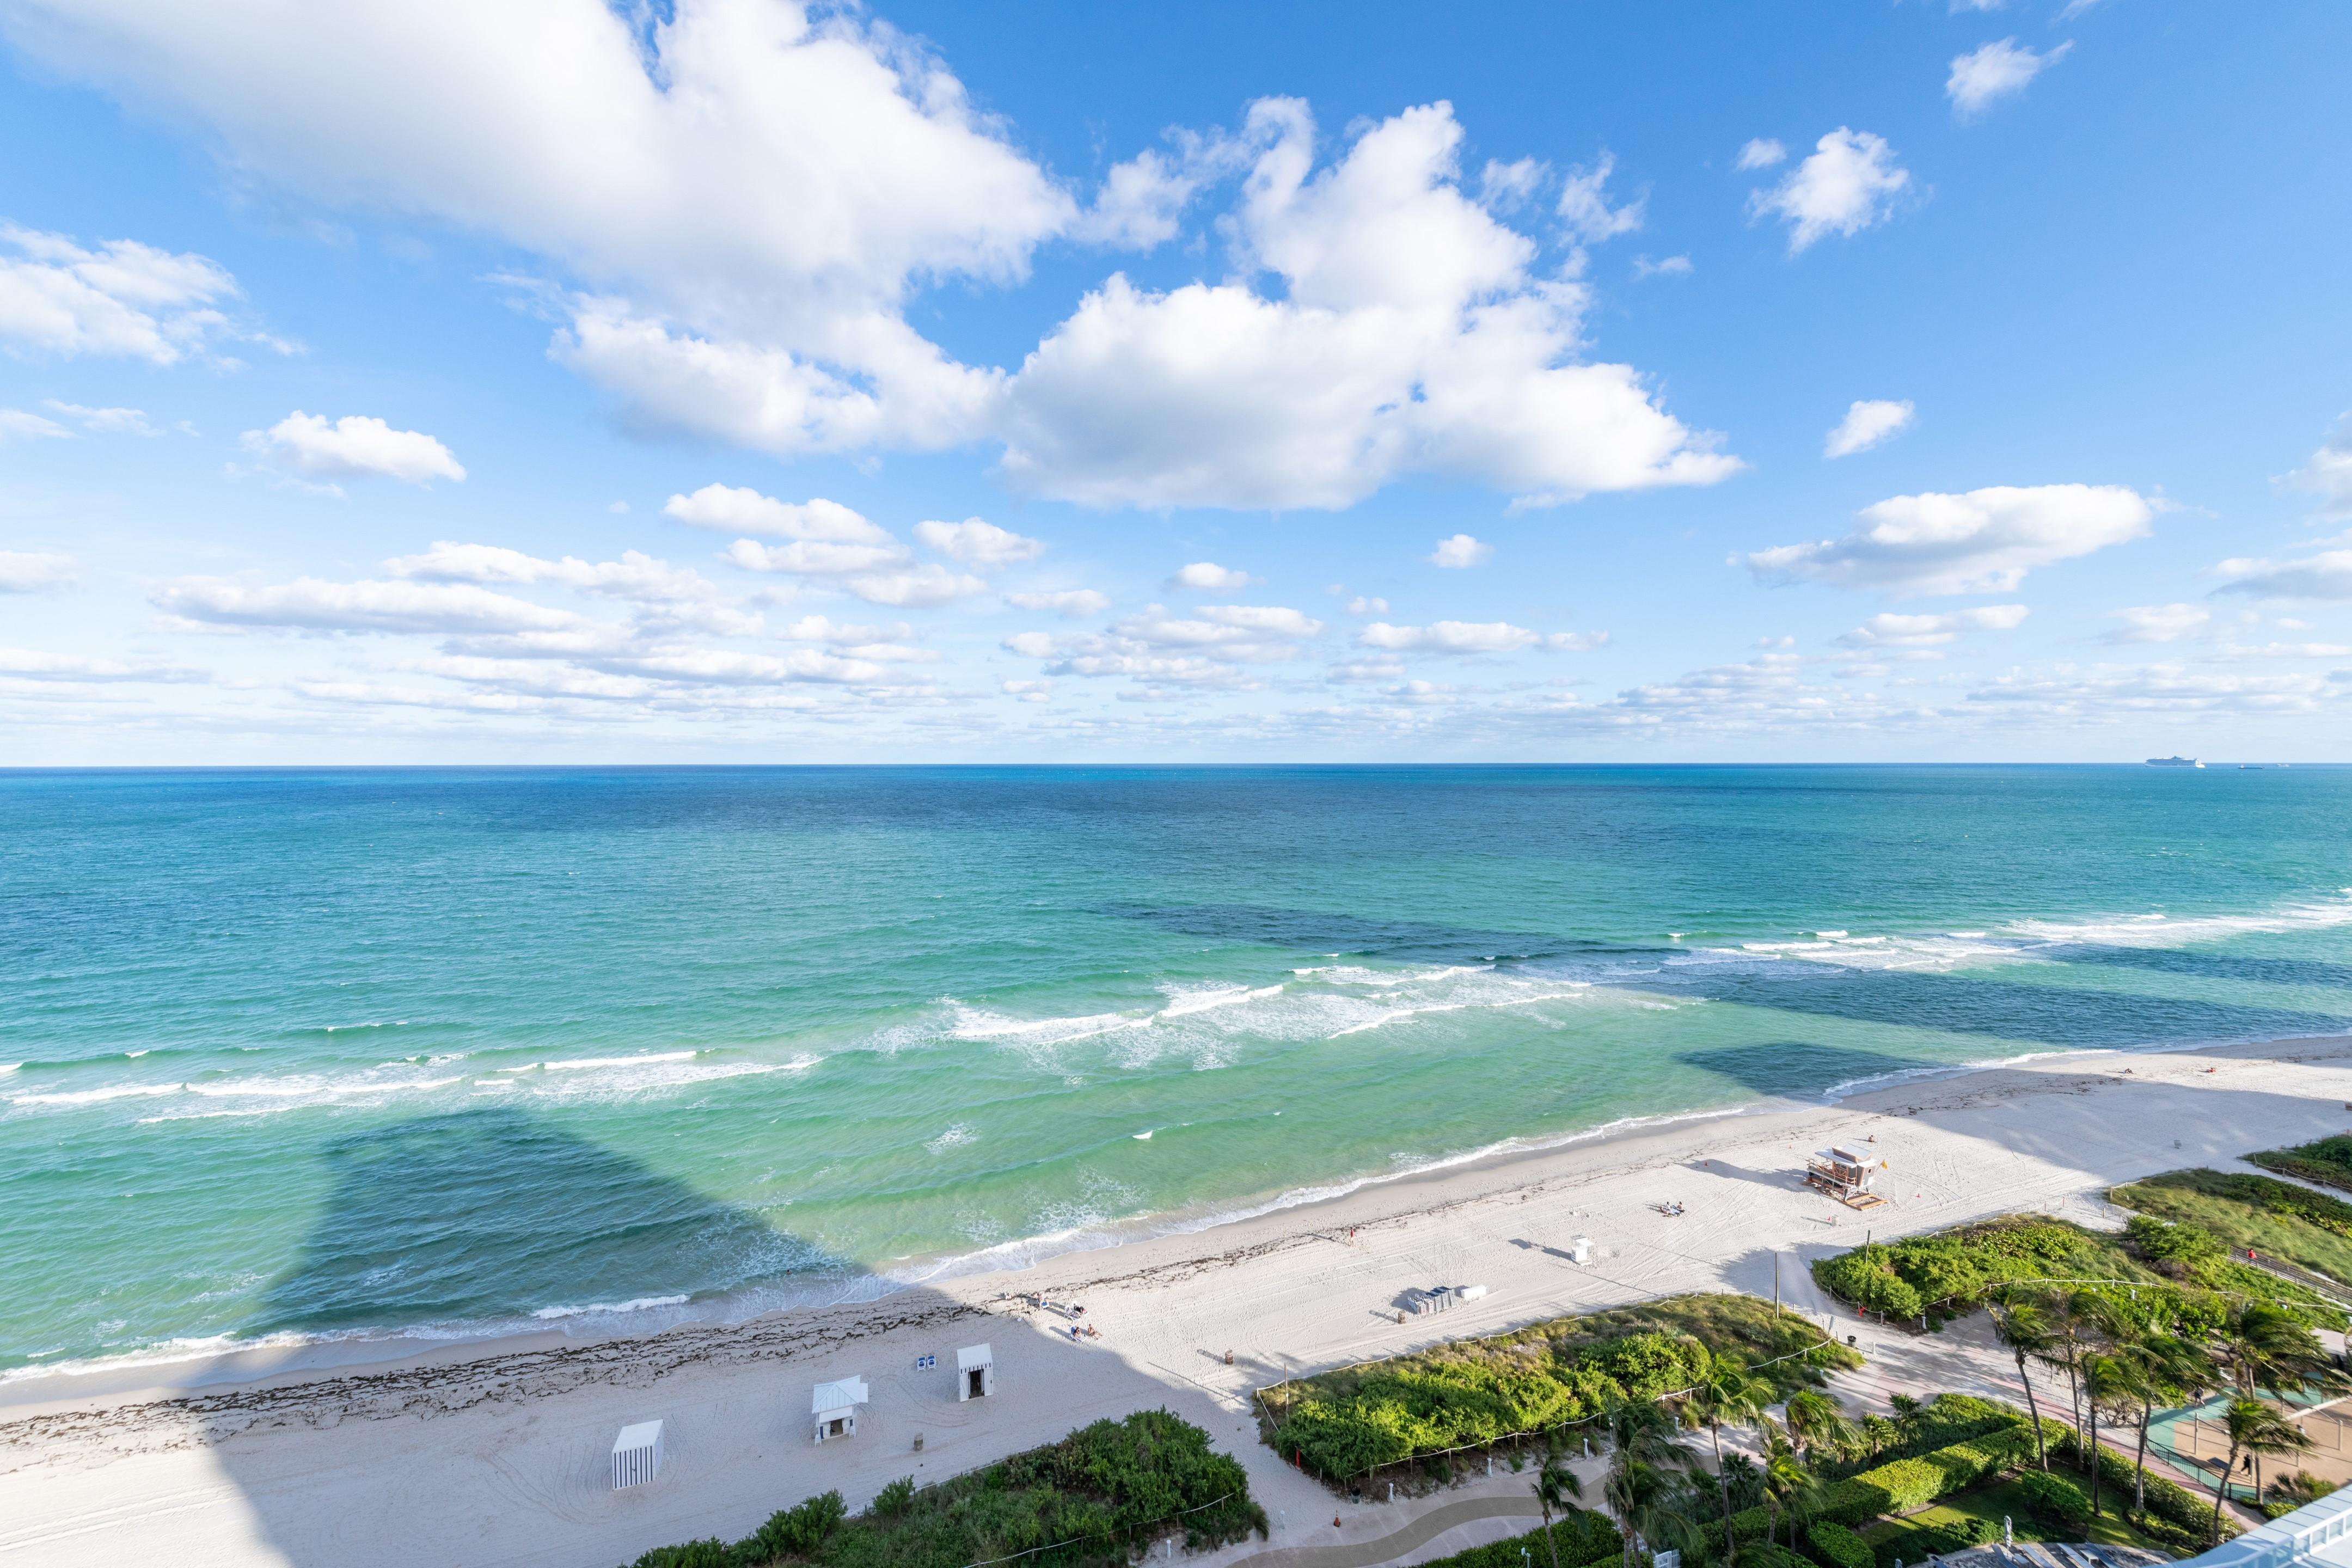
(328, 1053)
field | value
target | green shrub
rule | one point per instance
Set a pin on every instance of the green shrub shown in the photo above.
(1900, 1486)
(2328, 1161)
(2167, 1241)
(1837, 1547)
(893, 1499)
(710, 1554)
(1584, 1539)
(1763, 1554)
(2055, 1500)
(1100, 1492)
(1345, 1424)
(2174, 1508)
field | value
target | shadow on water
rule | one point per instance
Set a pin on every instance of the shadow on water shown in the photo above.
(1800, 1069)
(1315, 931)
(2205, 965)
(492, 1213)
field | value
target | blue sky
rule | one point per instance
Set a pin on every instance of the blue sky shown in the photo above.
(946, 383)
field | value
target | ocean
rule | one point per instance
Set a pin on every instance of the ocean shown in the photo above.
(288, 1056)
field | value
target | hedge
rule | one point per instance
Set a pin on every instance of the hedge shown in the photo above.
(2167, 1502)
(2055, 1500)
(1837, 1547)
(1903, 1485)
(1586, 1540)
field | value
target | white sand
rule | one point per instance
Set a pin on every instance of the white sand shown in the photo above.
(496, 1453)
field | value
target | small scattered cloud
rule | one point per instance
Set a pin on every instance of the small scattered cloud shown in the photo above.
(1671, 267)
(1507, 187)
(310, 604)
(2156, 623)
(33, 572)
(1866, 425)
(916, 587)
(2328, 474)
(1460, 551)
(1363, 605)
(1891, 631)
(1070, 604)
(618, 509)
(1584, 208)
(741, 509)
(1846, 185)
(1984, 541)
(28, 663)
(15, 425)
(104, 421)
(1472, 638)
(1760, 153)
(352, 448)
(977, 544)
(2326, 575)
(1993, 72)
(1209, 575)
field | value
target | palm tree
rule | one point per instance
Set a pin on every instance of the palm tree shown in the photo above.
(1787, 1484)
(1729, 1395)
(1815, 1422)
(2255, 1428)
(2025, 1330)
(1555, 1484)
(2265, 1347)
(2109, 1380)
(1641, 1449)
(2163, 1368)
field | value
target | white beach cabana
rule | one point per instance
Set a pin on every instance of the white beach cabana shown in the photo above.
(834, 1407)
(637, 1455)
(975, 1373)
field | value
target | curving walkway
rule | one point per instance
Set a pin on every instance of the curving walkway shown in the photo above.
(1420, 1533)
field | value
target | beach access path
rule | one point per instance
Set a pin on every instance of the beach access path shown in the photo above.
(496, 1453)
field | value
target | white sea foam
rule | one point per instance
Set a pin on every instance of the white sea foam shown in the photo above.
(960, 1132)
(97, 1096)
(640, 1304)
(1144, 1136)
(581, 1064)
(1184, 1003)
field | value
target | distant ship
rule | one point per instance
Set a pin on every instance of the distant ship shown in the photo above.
(2174, 763)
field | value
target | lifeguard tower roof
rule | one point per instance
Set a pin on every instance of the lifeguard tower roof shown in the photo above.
(839, 1395)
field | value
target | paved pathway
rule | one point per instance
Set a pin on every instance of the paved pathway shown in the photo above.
(1420, 1533)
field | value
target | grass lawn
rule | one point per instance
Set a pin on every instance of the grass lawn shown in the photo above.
(2243, 1211)
(1990, 1503)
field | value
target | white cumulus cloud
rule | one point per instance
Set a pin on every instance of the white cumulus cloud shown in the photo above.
(1984, 541)
(916, 587)
(1209, 575)
(1995, 71)
(978, 543)
(1761, 153)
(1459, 551)
(741, 509)
(124, 298)
(1866, 425)
(355, 446)
(1847, 183)
(310, 604)
(1409, 334)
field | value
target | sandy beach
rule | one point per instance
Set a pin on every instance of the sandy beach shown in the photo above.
(495, 1453)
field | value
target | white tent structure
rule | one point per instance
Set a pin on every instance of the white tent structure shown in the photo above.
(975, 1373)
(637, 1455)
(834, 1407)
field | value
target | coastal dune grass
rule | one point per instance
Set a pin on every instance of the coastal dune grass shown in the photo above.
(1947, 1274)
(2329, 1161)
(1344, 1423)
(2243, 1211)
(1089, 1499)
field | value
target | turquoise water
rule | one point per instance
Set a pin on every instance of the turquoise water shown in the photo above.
(336, 1053)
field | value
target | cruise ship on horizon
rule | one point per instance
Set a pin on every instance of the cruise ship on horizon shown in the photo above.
(2174, 763)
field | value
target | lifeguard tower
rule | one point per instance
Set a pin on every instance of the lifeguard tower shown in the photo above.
(834, 1407)
(1844, 1175)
